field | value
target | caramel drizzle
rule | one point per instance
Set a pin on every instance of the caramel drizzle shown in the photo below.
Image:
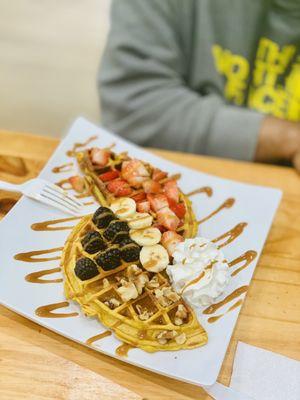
(227, 204)
(122, 350)
(205, 189)
(48, 225)
(198, 278)
(236, 293)
(30, 256)
(76, 146)
(95, 338)
(64, 184)
(35, 277)
(231, 235)
(248, 257)
(89, 203)
(46, 311)
(62, 168)
(215, 318)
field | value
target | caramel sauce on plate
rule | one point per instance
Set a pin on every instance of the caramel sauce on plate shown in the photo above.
(248, 257)
(47, 311)
(227, 204)
(76, 146)
(64, 184)
(123, 350)
(205, 189)
(231, 235)
(211, 320)
(62, 168)
(95, 338)
(31, 256)
(48, 225)
(236, 293)
(35, 277)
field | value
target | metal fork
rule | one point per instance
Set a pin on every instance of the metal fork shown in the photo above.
(48, 193)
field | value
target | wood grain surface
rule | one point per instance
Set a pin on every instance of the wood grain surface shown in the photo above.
(270, 317)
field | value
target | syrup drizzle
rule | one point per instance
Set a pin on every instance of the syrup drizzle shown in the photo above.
(35, 277)
(217, 317)
(31, 256)
(64, 184)
(123, 350)
(62, 168)
(227, 204)
(47, 311)
(205, 189)
(48, 225)
(236, 293)
(248, 257)
(76, 146)
(231, 235)
(95, 338)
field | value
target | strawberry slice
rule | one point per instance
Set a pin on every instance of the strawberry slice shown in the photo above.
(171, 190)
(109, 175)
(139, 197)
(179, 209)
(157, 201)
(78, 183)
(151, 186)
(158, 174)
(167, 218)
(99, 157)
(160, 227)
(119, 188)
(170, 240)
(135, 173)
(143, 207)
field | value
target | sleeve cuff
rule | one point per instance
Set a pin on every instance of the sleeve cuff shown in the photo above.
(234, 133)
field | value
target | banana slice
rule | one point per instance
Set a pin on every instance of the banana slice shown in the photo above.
(140, 221)
(154, 258)
(146, 237)
(123, 207)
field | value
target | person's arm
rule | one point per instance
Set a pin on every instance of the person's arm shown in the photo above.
(143, 90)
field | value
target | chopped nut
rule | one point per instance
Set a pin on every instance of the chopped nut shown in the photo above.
(128, 291)
(132, 271)
(163, 301)
(105, 283)
(170, 294)
(153, 283)
(180, 339)
(112, 303)
(140, 282)
(181, 312)
(144, 314)
(164, 336)
(178, 321)
(166, 296)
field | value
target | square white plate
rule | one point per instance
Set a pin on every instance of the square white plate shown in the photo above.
(254, 205)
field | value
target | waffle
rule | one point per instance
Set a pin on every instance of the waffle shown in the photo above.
(143, 322)
(188, 229)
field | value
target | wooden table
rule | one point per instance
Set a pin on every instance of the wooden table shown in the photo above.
(269, 319)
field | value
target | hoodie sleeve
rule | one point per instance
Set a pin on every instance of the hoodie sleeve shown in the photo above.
(144, 94)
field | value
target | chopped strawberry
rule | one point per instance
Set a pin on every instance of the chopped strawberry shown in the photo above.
(109, 175)
(171, 190)
(179, 209)
(139, 197)
(143, 206)
(151, 186)
(167, 218)
(158, 175)
(160, 227)
(119, 188)
(169, 240)
(99, 156)
(78, 183)
(157, 201)
(135, 173)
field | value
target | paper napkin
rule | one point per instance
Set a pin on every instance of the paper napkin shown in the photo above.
(264, 375)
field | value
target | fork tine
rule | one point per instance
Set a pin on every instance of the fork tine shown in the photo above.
(53, 203)
(62, 203)
(63, 193)
(62, 199)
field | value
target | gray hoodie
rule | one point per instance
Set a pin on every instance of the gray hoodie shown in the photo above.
(197, 75)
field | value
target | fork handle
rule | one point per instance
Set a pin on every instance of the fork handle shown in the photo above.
(10, 187)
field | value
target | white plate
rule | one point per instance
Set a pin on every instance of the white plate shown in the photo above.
(254, 205)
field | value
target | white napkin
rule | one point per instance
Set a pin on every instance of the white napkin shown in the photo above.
(264, 375)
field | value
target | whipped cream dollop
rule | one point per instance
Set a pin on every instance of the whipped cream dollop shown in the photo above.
(200, 272)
